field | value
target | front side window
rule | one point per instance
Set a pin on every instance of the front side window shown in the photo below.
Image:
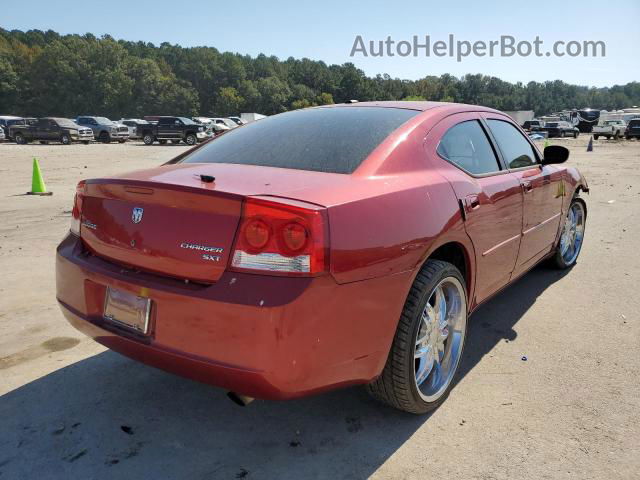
(467, 146)
(516, 150)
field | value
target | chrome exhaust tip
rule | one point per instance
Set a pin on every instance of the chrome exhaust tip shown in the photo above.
(239, 399)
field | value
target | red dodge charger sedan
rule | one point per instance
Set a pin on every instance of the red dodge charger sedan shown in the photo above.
(320, 248)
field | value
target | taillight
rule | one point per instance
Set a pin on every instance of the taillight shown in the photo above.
(77, 209)
(287, 237)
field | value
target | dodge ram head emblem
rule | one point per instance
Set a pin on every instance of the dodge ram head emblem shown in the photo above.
(136, 215)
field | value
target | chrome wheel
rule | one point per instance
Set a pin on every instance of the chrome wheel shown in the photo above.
(440, 338)
(572, 233)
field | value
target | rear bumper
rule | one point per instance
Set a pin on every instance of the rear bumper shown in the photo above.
(267, 337)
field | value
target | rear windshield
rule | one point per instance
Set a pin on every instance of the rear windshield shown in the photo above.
(334, 140)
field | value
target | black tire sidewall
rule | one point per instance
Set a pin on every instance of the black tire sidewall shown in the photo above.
(65, 139)
(559, 261)
(448, 270)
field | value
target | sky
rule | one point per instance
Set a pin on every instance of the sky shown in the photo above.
(326, 30)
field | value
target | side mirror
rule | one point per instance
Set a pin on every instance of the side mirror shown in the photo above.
(555, 154)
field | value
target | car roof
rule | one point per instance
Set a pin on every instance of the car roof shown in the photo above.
(421, 106)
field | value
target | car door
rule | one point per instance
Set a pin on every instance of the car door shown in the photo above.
(542, 186)
(166, 128)
(54, 130)
(489, 196)
(42, 129)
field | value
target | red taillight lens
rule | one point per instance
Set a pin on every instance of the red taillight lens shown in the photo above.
(256, 233)
(294, 236)
(76, 212)
(286, 237)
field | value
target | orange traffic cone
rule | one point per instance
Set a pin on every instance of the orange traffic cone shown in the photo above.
(37, 183)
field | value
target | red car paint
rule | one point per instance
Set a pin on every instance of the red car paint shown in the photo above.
(277, 336)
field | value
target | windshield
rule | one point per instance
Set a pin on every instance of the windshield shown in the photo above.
(104, 121)
(65, 122)
(187, 121)
(335, 139)
(552, 124)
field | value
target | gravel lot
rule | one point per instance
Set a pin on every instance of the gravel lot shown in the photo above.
(71, 409)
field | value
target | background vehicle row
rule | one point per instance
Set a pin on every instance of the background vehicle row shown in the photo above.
(51, 129)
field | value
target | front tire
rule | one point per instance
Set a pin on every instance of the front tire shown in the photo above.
(65, 139)
(147, 139)
(427, 347)
(20, 140)
(572, 235)
(105, 137)
(191, 139)
(595, 137)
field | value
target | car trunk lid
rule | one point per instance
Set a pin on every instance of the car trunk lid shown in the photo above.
(183, 232)
(167, 220)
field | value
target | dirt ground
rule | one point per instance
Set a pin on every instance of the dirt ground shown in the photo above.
(548, 388)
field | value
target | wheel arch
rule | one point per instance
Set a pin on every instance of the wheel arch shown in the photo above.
(460, 253)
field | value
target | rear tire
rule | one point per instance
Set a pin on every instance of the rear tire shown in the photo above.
(20, 140)
(595, 137)
(575, 134)
(406, 383)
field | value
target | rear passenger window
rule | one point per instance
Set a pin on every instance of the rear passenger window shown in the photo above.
(466, 145)
(516, 150)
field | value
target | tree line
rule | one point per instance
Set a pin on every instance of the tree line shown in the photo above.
(45, 73)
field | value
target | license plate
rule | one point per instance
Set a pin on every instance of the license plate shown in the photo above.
(128, 310)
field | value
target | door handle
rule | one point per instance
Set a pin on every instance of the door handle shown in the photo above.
(527, 187)
(471, 202)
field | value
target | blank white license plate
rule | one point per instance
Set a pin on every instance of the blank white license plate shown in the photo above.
(128, 310)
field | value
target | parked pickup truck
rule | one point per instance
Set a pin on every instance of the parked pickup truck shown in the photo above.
(51, 129)
(610, 129)
(560, 129)
(134, 125)
(532, 125)
(633, 129)
(104, 129)
(174, 129)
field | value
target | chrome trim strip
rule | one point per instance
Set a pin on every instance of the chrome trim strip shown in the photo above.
(541, 224)
(501, 244)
